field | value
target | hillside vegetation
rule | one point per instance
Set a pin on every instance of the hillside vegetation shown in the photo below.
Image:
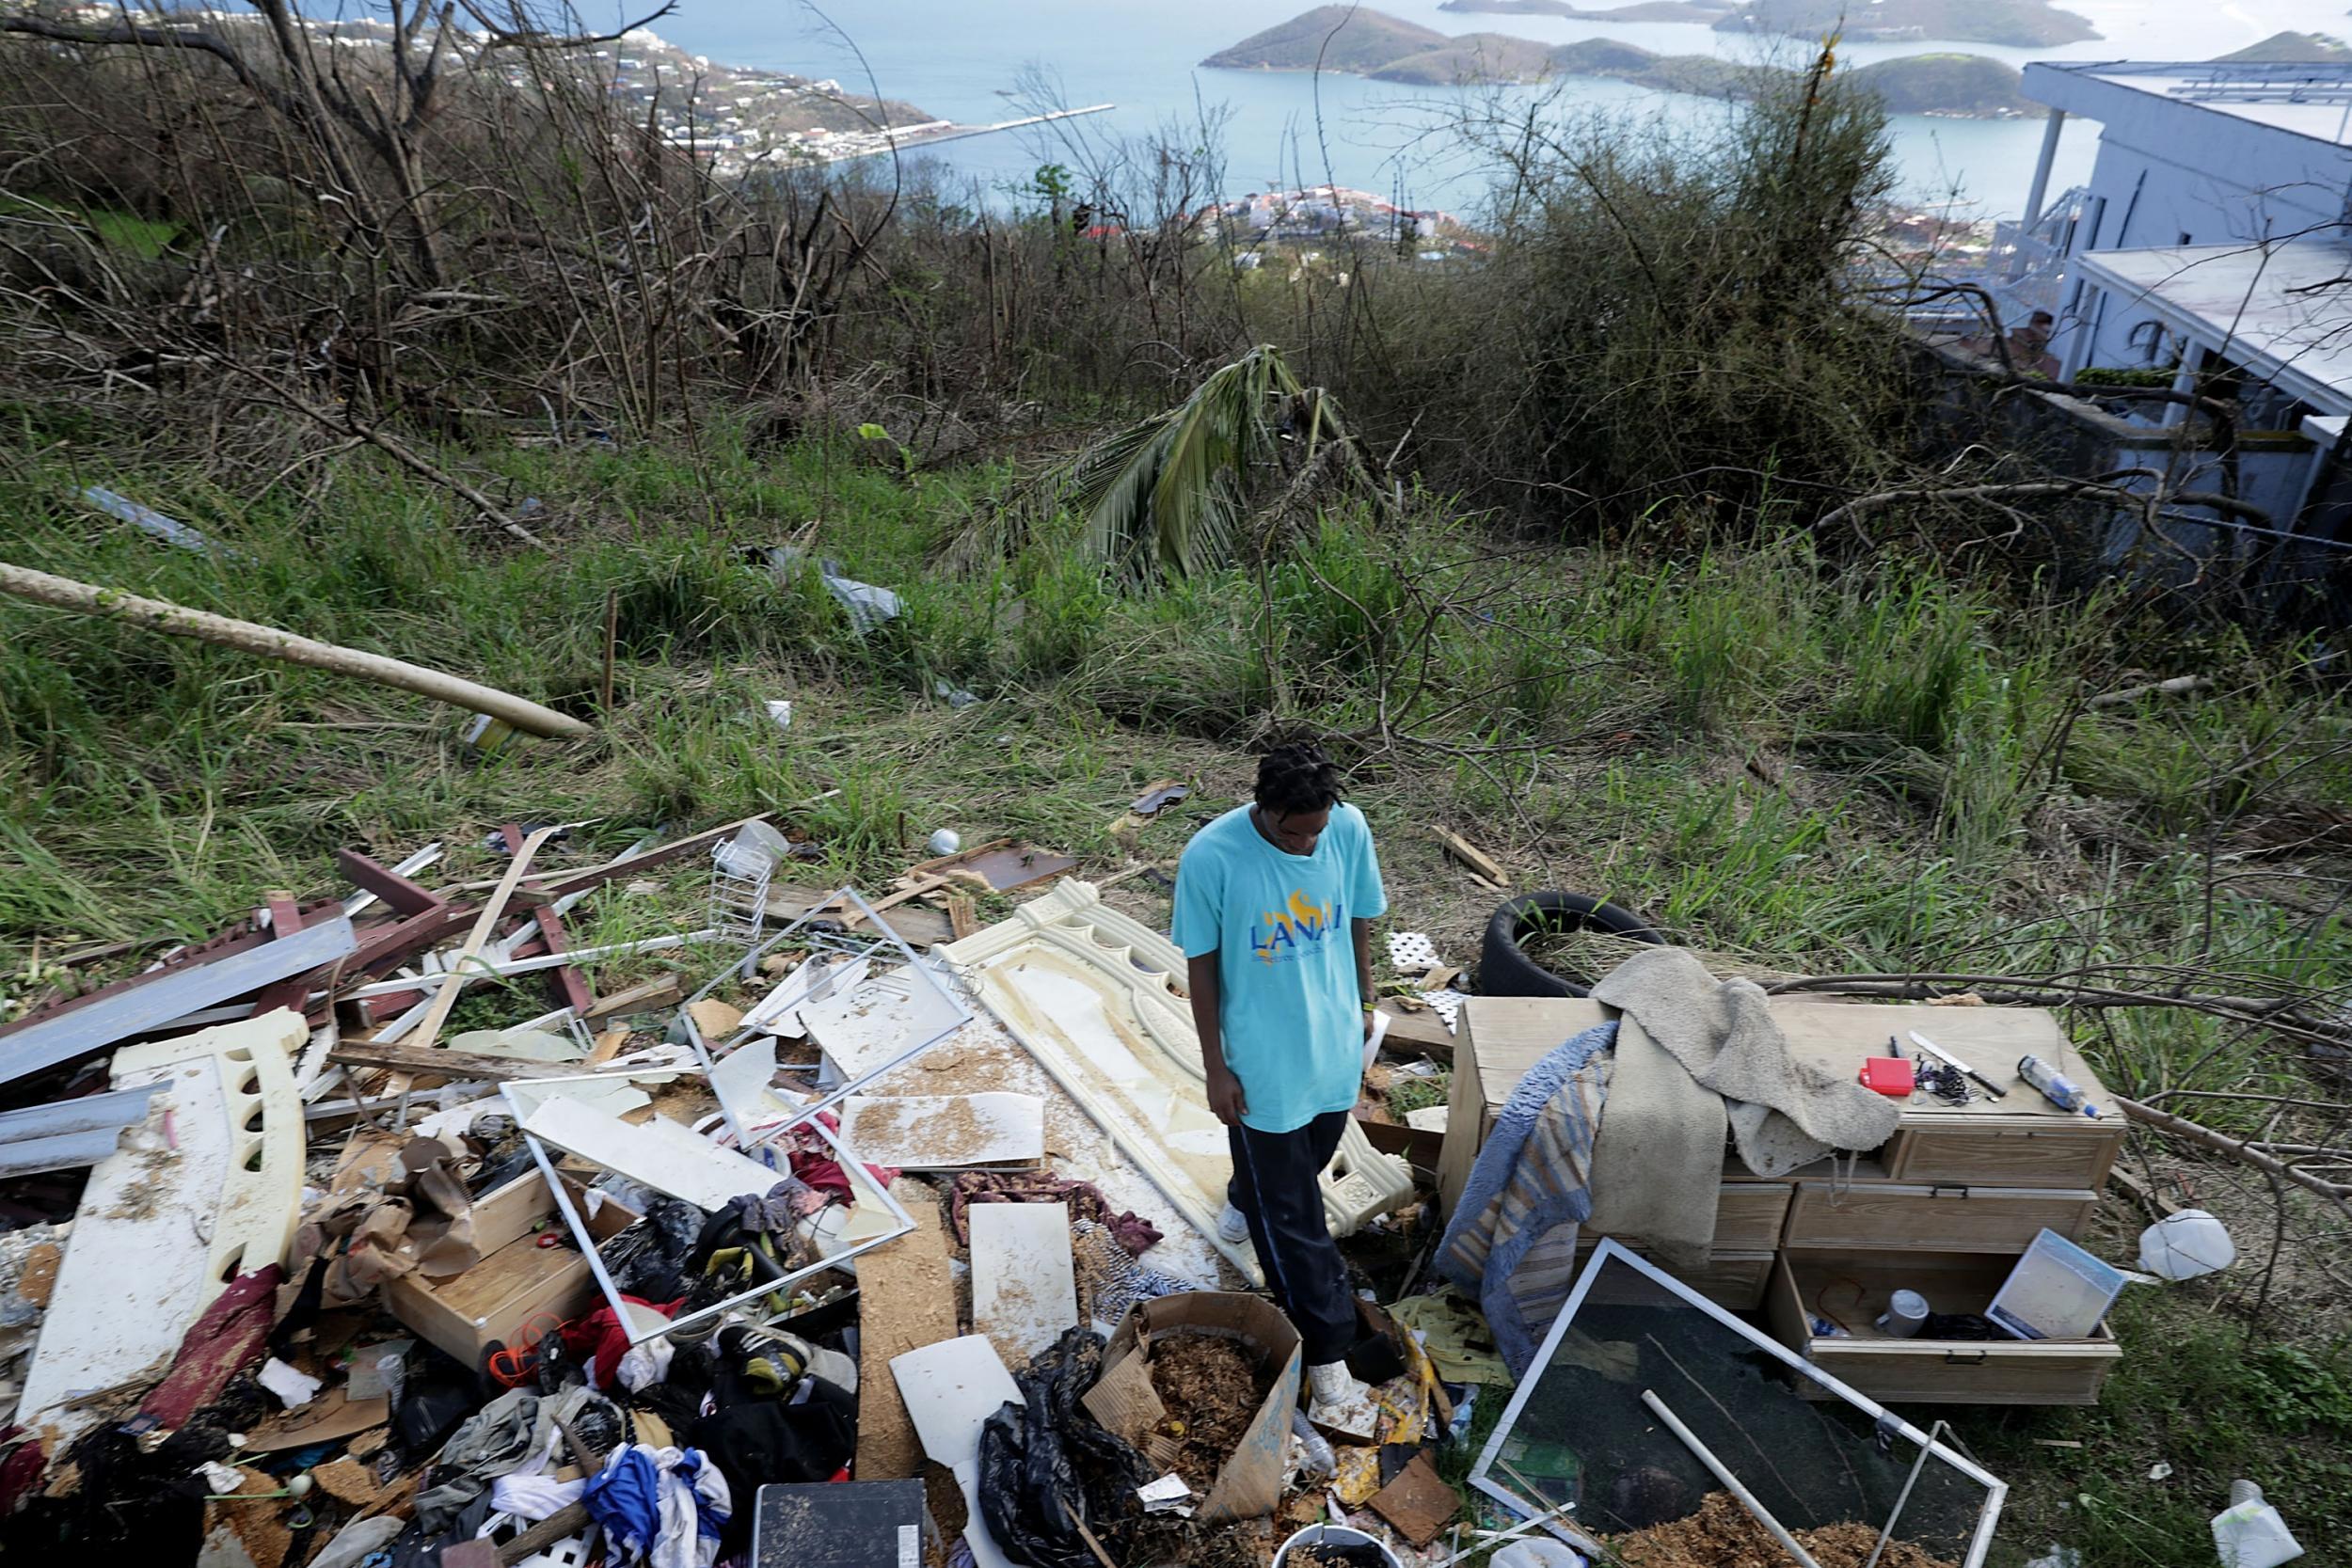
(1558, 543)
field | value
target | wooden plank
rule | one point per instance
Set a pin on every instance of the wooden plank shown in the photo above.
(906, 1300)
(399, 894)
(1471, 855)
(447, 1064)
(658, 992)
(1417, 1030)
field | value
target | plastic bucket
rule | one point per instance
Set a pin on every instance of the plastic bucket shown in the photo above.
(1336, 1535)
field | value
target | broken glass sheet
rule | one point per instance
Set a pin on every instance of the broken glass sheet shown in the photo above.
(1578, 1439)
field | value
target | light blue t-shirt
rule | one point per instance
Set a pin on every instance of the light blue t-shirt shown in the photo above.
(1291, 1015)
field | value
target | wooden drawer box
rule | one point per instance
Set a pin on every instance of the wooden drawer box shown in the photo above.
(2071, 1154)
(516, 1279)
(1734, 1279)
(1852, 1289)
(1948, 1218)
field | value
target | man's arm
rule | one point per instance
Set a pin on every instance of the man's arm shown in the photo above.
(1362, 931)
(1225, 1092)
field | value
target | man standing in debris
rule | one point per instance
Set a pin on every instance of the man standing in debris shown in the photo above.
(1275, 902)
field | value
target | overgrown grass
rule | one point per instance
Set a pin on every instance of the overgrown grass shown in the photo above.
(1822, 769)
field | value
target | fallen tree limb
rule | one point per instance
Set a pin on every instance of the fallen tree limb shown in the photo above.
(2237, 1148)
(2179, 685)
(269, 643)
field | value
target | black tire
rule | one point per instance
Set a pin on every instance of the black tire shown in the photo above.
(1505, 970)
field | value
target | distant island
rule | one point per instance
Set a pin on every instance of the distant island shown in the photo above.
(2295, 49)
(2024, 23)
(1370, 43)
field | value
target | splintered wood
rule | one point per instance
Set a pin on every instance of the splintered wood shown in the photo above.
(906, 1300)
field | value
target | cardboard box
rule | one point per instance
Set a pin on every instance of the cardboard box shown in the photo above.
(517, 1280)
(1251, 1482)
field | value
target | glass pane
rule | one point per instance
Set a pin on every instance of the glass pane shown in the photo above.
(1582, 1435)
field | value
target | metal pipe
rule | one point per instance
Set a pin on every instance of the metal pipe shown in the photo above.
(2040, 187)
(1731, 1483)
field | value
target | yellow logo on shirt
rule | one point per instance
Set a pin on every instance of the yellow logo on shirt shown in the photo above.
(1283, 936)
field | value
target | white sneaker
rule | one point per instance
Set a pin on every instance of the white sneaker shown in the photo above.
(1339, 1404)
(1232, 1226)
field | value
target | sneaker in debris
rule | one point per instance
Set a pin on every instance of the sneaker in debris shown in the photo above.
(1337, 1402)
(1232, 1226)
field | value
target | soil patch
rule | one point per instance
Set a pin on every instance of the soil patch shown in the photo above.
(1723, 1535)
(1211, 1389)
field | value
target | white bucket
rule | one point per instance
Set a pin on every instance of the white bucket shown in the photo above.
(1336, 1535)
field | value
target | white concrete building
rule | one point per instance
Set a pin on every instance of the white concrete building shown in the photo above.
(2211, 253)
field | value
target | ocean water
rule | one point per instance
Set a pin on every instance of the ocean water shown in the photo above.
(960, 58)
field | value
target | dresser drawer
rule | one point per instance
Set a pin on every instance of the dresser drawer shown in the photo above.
(1852, 1291)
(1947, 1218)
(2070, 1153)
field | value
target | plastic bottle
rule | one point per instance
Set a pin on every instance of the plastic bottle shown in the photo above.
(2249, 1534)
(2058, 1089)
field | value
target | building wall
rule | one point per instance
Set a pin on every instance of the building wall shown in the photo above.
(2171, 172)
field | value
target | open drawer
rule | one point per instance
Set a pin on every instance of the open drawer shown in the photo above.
(1851, 1289)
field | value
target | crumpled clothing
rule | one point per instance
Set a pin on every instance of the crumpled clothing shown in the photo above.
(786, 1204)
(600, 1340)
(20, 1469)
(649, 1259)
(666, 1506)
(1454, 1335)
(1116, 1280)
(534, 1497)
(509, 1433)
(813, 1161)
(1136, 1233)
(357, 1539)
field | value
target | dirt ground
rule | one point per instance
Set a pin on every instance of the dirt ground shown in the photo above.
(1722, 1534)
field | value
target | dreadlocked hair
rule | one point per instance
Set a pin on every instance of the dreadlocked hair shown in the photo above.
(1295, 779)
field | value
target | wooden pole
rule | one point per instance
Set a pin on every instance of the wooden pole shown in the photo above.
(270, 642)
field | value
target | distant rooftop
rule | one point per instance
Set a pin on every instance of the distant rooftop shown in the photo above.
(2313, 101)
(2285, 312)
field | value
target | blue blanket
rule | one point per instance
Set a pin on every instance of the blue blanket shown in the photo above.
(1533, 1176)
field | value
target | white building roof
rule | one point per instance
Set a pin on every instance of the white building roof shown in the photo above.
(2285, 312)
(2310, 100)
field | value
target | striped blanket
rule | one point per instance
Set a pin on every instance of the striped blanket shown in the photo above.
(1512, 1241)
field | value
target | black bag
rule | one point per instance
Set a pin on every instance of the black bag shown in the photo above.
(1047, 1467)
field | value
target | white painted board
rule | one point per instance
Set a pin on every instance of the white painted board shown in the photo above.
(944, 1132)
(1024, 1292)
(661, 1153)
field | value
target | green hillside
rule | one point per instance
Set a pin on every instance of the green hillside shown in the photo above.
(1336, 38)
(2022, 23)
(1473, 57)
(2292, 48)
(1951, 84)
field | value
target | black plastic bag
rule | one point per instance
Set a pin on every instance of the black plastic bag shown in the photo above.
(1047, 1467)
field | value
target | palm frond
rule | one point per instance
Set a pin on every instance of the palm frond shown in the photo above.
(1169, 493)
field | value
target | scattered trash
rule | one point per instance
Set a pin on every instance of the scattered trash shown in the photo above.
(2160, 1471)
(956, 697)
(2186, 1245)
(2057, 1556)
(779, 712)
(868, 605)
(154, 523)
(291, 1386)
(945, 841)
(2249, 1533)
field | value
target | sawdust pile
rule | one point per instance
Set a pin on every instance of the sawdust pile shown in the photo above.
(1721, 1535)
(1211, 1389)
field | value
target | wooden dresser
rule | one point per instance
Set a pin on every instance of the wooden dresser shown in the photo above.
(1943, 1208)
